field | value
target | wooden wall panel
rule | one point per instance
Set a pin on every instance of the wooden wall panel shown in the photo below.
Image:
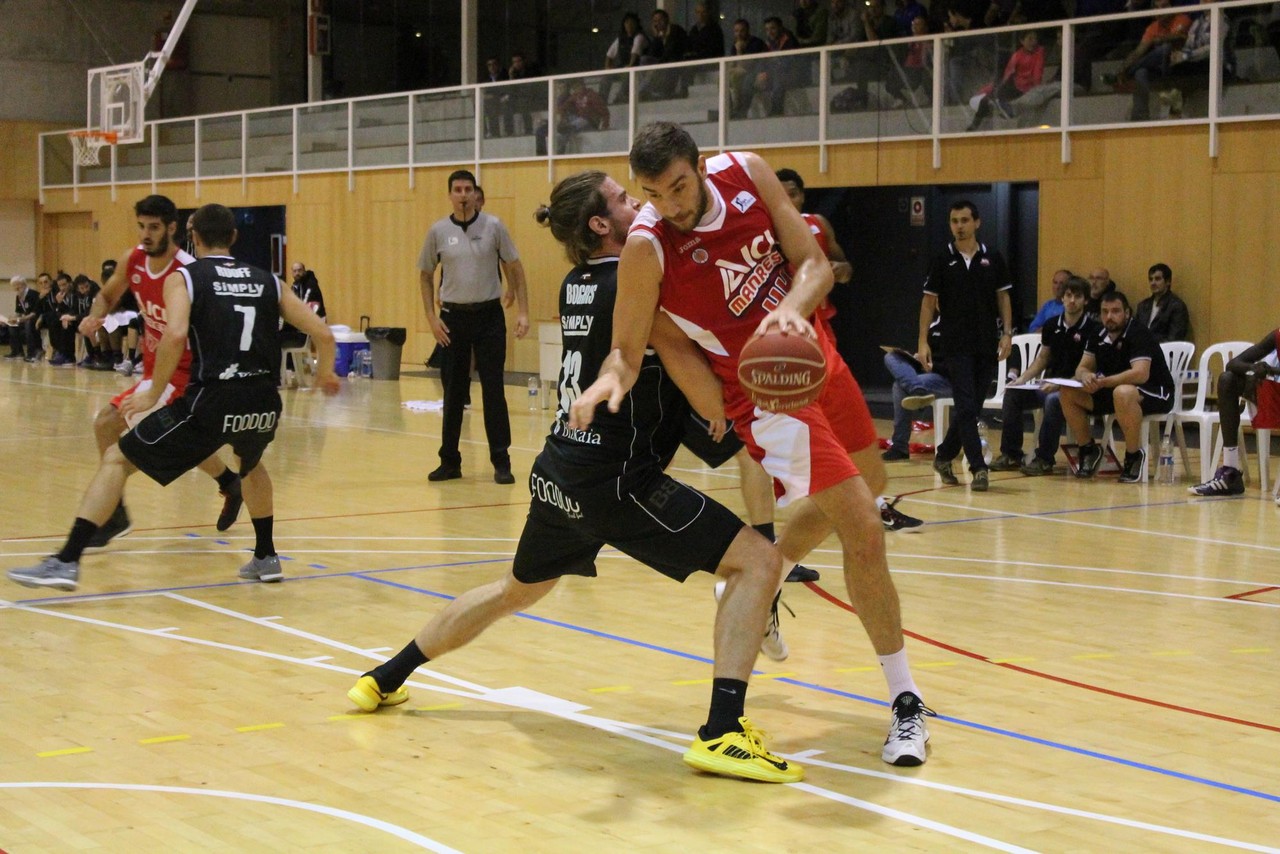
(19, 168)
(1126, 199)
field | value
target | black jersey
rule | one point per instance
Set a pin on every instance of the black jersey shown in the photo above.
(647, 428)
(235, 320)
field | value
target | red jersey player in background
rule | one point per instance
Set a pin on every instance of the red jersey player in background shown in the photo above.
(143, 270)
(720, 252)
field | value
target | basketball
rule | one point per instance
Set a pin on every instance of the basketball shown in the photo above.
(781, 373)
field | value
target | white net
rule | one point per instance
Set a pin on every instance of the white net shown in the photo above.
(87, 145)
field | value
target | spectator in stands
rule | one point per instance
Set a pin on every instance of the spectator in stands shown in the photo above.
(1151, 57)
(668, 42)
(45, 308)
(630, 45)
(741, 83)
(580, 110)
(1053, 306)
(82, 303)
(1252, 376)
(1100, 284)
(969, 64)
(1095, 41)
(1062, 343)
(24, 340)
(1123, 371)
(59, 320)
(811, 23)
(905, 13)
(1164, 312)
(497, 116)
(1192, 60)
(777, 74)
(914, 388)
(523, 101)
(917, 64)
(706, 39)
(1023, 72)
(844, 25)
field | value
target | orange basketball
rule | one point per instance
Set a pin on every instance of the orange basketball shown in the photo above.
(781, 373)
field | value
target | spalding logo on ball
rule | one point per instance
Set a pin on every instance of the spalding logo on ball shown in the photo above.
(782, 373)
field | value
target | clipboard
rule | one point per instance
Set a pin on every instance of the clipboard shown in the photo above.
(910, 357)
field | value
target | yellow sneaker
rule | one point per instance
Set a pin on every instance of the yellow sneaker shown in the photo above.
(366, 694)
(742, 754)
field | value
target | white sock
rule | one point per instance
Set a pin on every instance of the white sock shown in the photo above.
(898, 674)
(1231, 457)
(881, 502)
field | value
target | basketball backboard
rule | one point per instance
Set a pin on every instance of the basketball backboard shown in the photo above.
(116, 101)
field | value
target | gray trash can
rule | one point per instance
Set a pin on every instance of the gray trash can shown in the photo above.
(385, 344)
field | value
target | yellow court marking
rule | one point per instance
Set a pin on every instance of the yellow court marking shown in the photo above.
(773, 675)
(1252, 651)
(1085, 656)
(609, 689)
(258, 727)
(692, 682)
(350, 717)
(66, 751)
(929, 664)
(1172, 652)
(1022, 660)
(162, 739)
(855, 669)
(439, 708)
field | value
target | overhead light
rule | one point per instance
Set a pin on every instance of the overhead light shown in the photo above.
(595, 29)
(418, 34)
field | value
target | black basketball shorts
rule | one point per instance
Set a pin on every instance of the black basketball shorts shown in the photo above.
(176, 438)
(660, 522)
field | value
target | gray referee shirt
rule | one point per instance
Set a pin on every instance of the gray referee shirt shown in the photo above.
(470, 257)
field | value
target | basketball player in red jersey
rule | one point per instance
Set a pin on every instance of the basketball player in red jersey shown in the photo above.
(720, 252)
(143, 270)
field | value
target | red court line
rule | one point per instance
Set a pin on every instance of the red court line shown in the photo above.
(1060, 679)
(1249, 593)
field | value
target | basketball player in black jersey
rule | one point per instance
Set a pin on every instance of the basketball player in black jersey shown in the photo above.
(606, 485)
(230, 312)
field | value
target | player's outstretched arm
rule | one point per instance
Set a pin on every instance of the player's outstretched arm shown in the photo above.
(300, 315)
(687, 366)
(639, 283)
(177, 307)
(108, 295)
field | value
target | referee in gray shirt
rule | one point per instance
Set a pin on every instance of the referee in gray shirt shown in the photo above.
(470, 248)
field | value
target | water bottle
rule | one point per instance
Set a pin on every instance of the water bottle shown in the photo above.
(366, 364)
(534, 388)
(986, 446)
(1164, 469)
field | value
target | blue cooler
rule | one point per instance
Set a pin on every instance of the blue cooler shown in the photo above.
(348, 343)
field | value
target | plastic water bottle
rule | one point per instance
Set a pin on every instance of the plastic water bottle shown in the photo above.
(1164, 469)
(982, 437)
(364, 362)
(534, 388)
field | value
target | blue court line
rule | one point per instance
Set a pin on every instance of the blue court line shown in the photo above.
(1056, 745)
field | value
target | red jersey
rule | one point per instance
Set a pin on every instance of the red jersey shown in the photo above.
(721, 279)
(148, 287)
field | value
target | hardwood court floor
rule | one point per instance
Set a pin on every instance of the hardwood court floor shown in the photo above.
(1103, 659)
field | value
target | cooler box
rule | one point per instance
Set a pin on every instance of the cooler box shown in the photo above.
(348, 343)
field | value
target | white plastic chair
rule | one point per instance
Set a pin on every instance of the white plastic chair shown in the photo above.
(1177, 354)
(301, 362)
(1206, 419)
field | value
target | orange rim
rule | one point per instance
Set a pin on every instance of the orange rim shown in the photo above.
(107, 136)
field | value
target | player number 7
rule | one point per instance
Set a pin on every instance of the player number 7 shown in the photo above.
(246, 334)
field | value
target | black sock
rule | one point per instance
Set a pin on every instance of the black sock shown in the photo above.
(391, 674)
(82, 530)
(225, 479)
(262, 528)
(728, 699)
(766, 528)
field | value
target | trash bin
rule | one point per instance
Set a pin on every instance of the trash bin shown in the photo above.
(385, 343)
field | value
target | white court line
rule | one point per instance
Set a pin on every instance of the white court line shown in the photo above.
(528, 700)
(1061, 520)
(291, 552)
(1078, 568)
(334, 812)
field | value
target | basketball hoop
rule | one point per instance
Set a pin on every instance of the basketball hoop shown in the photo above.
(86, 144)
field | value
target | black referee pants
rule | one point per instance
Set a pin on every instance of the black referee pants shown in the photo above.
(483, 331)
(971, 376)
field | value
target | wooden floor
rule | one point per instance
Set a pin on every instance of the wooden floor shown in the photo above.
(1104, 660)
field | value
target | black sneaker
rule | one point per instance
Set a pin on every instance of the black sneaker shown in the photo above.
(117, 526)
(1133, 467)
(802, 573)
(231, 501)
(1225, 481)
(895, 520)
(943, 468)
(502, 474)
(1037, 467)
(1090, 459)
(981, 480)
(445, 472)
(1007, 462)
(893, 455)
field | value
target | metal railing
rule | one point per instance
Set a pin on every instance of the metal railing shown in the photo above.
(917, 88)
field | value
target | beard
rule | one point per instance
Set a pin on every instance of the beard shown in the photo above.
(161, 247)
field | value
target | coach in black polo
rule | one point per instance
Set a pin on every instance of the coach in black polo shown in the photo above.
(472, 250)
(968, 285)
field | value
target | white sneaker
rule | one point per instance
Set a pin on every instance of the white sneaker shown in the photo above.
(124, 366)
(908, 735)
(772, 644)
